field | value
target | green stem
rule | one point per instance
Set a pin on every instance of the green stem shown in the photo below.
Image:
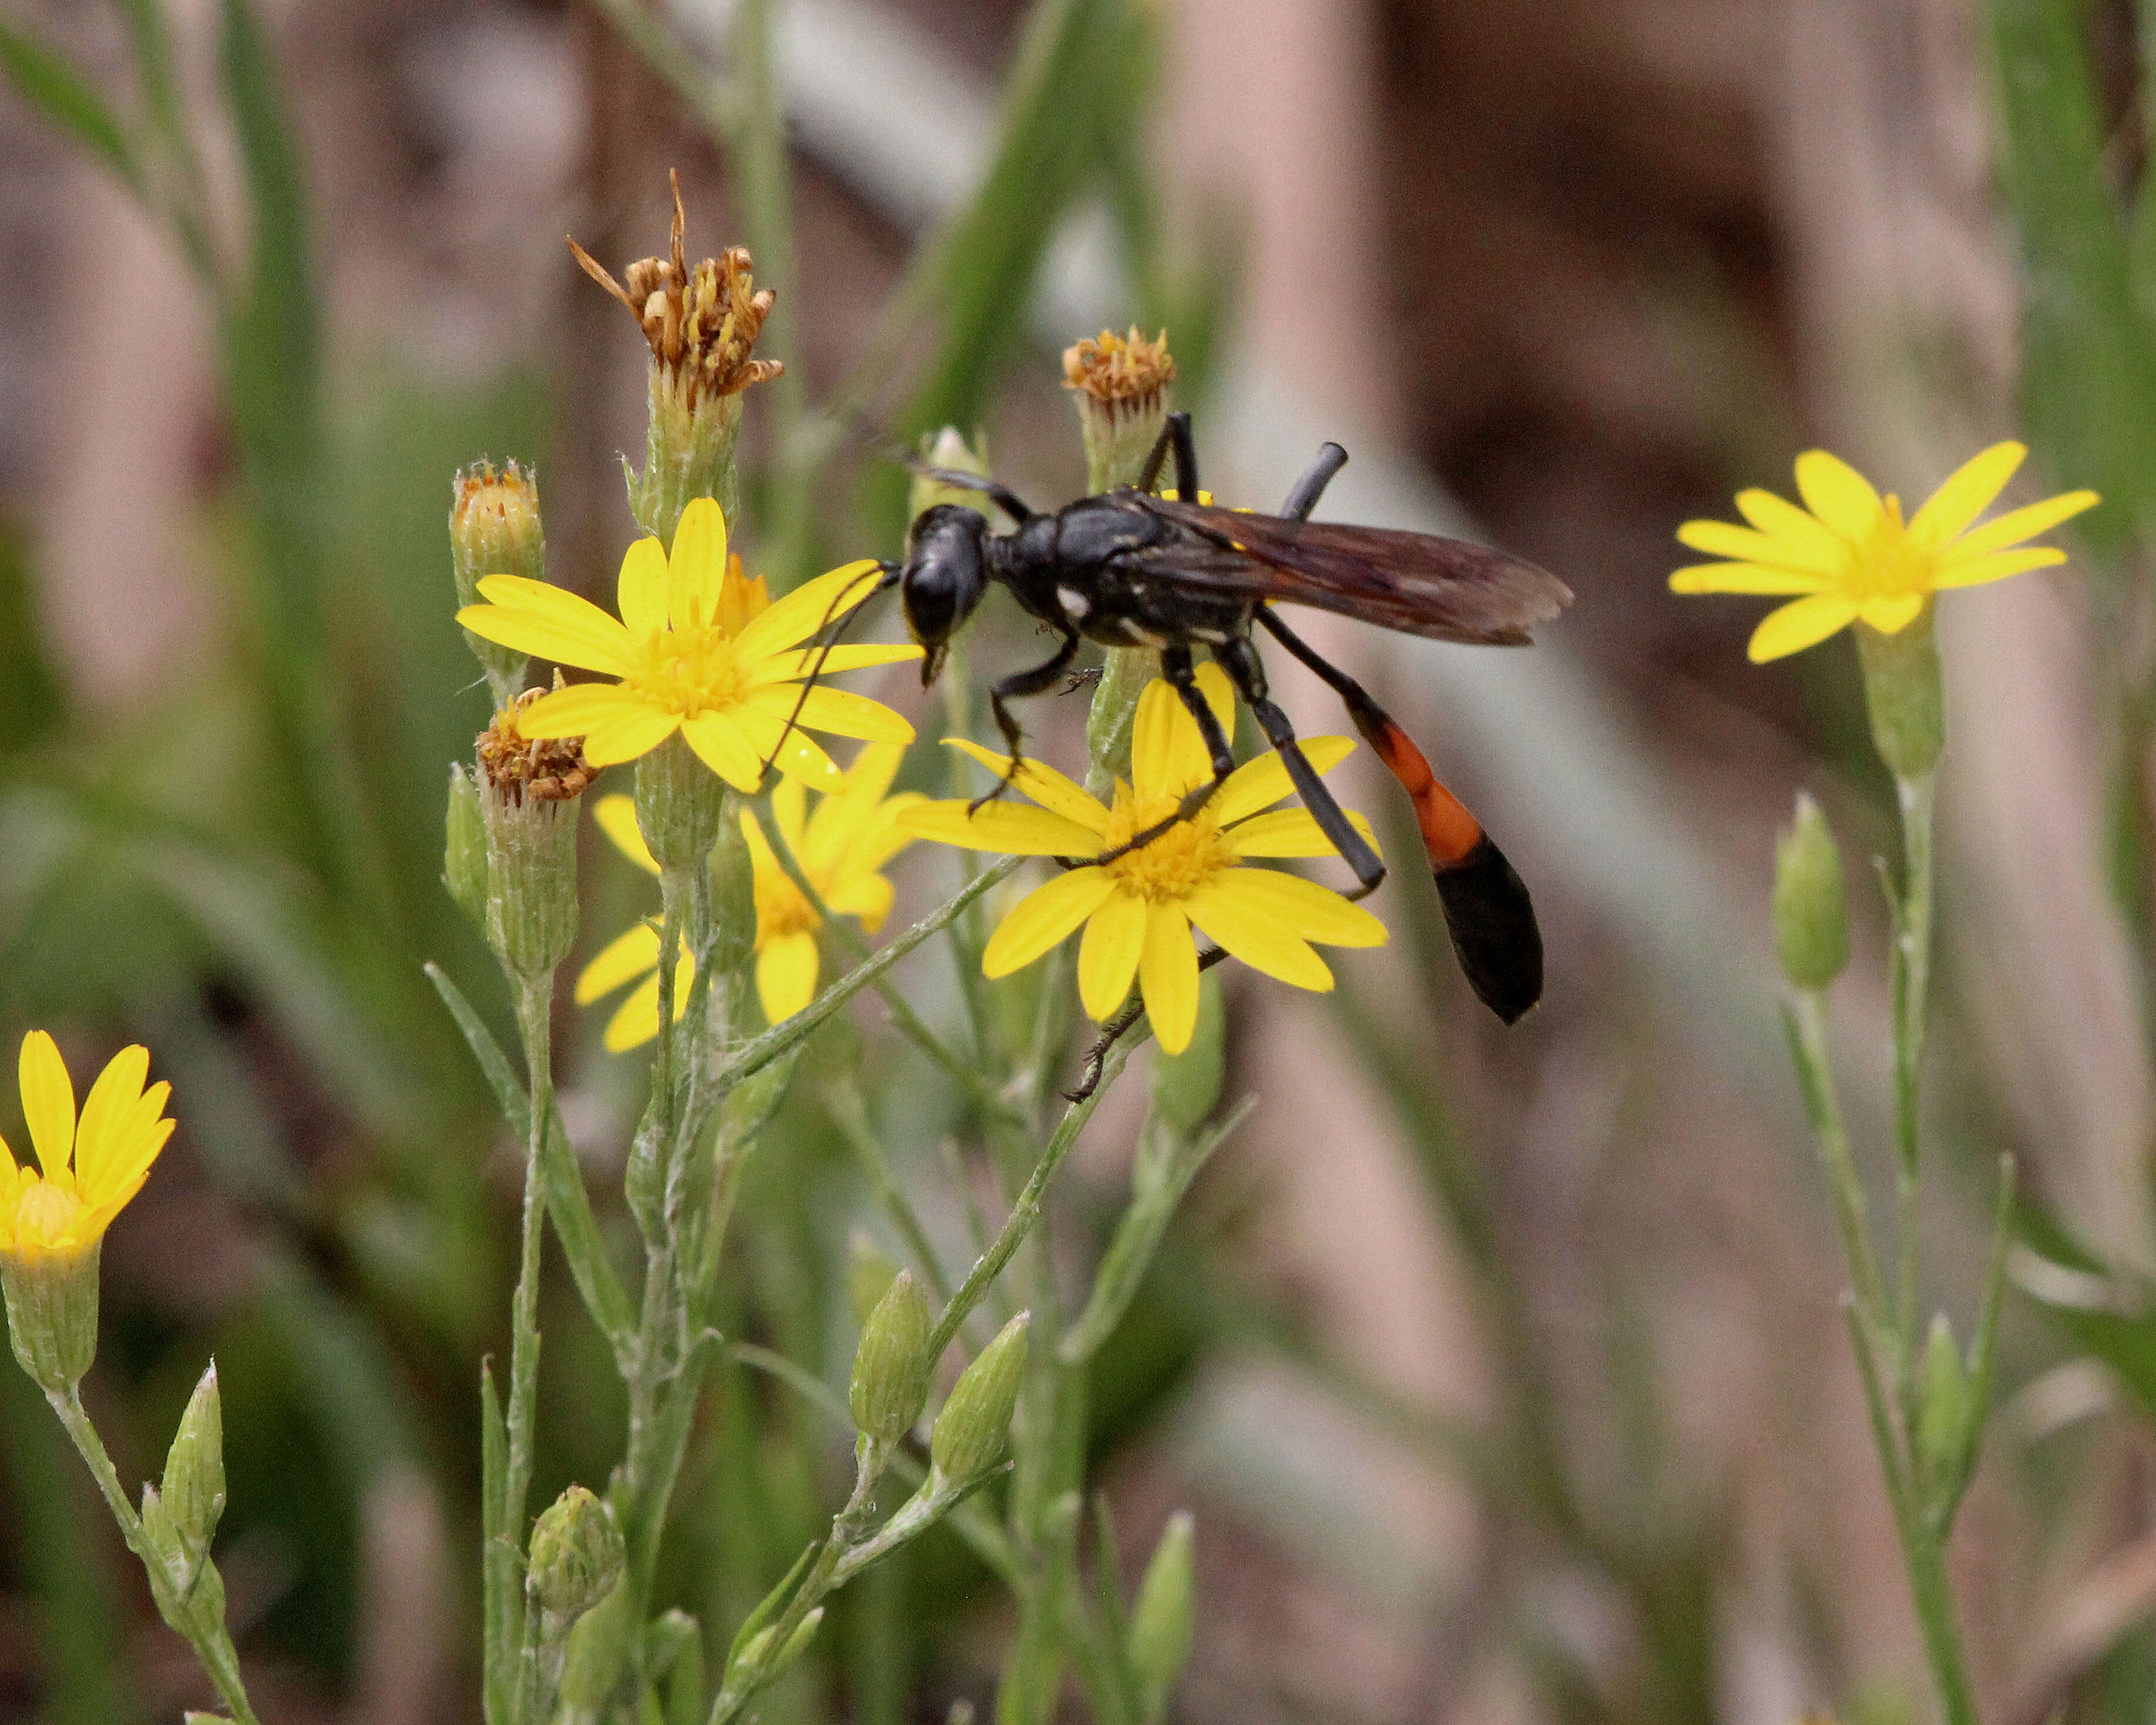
(1911, 975)
(535, 1000)
(1805, 1022)
(212, 1644)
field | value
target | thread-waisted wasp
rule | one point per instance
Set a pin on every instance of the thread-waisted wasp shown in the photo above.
(1128, 568)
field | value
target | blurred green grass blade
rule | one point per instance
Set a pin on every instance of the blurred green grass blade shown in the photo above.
(62, 1541)
(498, 1559)
(2089, 380)
(52, 86)
(150, 41)
(355, 1394)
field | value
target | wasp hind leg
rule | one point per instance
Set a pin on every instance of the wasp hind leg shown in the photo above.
(1016, 686)
(1487, 909)
(1175, 665)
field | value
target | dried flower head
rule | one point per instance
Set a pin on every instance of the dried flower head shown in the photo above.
(549, 769)
(701, 324)
(1124, 373)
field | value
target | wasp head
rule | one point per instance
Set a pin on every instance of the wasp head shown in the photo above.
(945, 575)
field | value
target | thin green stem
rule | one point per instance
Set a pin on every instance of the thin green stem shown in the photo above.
(212, 1643)
(1911, 979)
(535, 1001)
(1805, 1022)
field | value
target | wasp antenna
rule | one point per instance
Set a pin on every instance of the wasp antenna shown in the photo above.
(887, 577)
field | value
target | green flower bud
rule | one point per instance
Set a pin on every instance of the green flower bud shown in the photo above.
(948, 449)
(1186, 1086)
(681, 806)
(970, 1433)
(463, 856)
(52, 1308)
(1125, 671)
(494, 530)
(1161, 1620)
(577, 1553)
(890, 1367)
(193, 1489)
(599, 1648)
(1905, 694)
(1811, 923)
(869, 1272)
(527, 797)
(1946, 1403)
(184, 1583)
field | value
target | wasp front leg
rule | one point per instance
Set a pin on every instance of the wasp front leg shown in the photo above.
(1016, 686)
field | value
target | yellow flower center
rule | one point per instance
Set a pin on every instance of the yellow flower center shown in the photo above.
(1173, 867)
(44, 1215)
(1886, 563)
(689, 671)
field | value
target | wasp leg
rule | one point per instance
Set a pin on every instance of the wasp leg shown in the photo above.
(957, 480)
(1330, 458)
(1174, 435)
(1487, 911)
(1240, 660)
(1175, 665)
(1115, 1029)
(1037, 681)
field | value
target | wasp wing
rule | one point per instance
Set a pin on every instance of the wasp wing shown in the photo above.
(1418, 584)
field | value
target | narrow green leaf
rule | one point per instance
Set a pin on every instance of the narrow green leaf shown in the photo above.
(49, 83)
(497, 1557)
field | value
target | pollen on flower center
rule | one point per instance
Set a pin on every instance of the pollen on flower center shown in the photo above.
(1175, 865)
(44, 1215)
(1886, 563)
(687, 672)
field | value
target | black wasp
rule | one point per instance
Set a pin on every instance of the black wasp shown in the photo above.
(1130, 569)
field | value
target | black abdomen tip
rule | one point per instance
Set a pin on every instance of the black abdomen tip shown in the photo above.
(1493, 923)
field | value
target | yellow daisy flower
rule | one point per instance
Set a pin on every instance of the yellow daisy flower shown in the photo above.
(698, 650)
(1138, 911)
(842, 847)
(87, 1169)
(1850, 556)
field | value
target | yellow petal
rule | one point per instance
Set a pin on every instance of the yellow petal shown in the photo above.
(1890, 615)
(1724, 539)
(1260, 784)
(1837, 493)
(1108, 955)
(1008, 827)
(100, 1146)
(789, 748)
(1970, 490)
(1744, 578)
(824, 708)
(1289, 832)
(1997, 565)
(1168, 755)
(2024, 523)
(786, 975)
(1248, 933)
(1045, 918)
(636, 1021)
(539, 617)
(796, 665)
(580, 709)
(1316, 913)
(867, 897)
(1802, 541)
(628, 733)
(722, 745)
(47, 1106)
(1167, 977)
(1803, 623)
(1044, 784)
(630, 954)
(808, 610)
(640, 590)
(696, 570)
(616, 815)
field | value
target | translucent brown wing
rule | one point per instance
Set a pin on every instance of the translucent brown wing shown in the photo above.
(1418, 584)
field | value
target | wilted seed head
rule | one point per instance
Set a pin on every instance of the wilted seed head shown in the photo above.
(1125, 374)
(528, 789)
(701, 324)
(513, 766)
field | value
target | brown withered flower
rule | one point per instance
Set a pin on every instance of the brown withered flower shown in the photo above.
(1124, 373)
(701, 324)
(546, 769)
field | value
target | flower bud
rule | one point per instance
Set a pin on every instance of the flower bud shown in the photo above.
(890, 1367)
(464, 853)
(193, 1488)
(577, 1553)
(1811, 923)
(680, 807)
(948, 449)
(1904, 694)
(1121, 382)
(1186, 1086)
(494, 530)
(970, 1433)
(1161, 1620)
(869, 1272)
(528, 789)
(52, 1297)
(1946, 1403)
